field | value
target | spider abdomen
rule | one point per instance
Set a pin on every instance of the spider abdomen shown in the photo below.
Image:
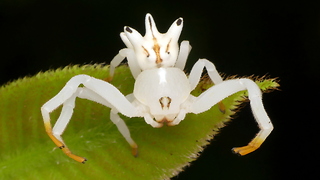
(163, 90)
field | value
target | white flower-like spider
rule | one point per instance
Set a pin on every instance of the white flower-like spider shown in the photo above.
(161, 90)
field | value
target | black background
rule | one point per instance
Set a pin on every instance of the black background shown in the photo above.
(278, 38)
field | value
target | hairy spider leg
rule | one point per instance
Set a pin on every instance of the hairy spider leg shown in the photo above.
(260, 115)
(226, 88)
(95, 90)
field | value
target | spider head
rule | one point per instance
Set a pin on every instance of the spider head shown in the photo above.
(154, 49)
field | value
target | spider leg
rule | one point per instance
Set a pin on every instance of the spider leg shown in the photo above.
(63, 120)
(114, 63)
(132, 62)
(184, 51)
(222, 90)
(197, 69)
(95, 90)
(196, 73)
(123, 129)
(179, 118)
(114, 117)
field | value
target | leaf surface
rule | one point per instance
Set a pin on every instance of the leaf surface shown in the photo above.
(26, 152)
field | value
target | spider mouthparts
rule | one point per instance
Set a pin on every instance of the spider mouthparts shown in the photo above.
(167, 119)
(164, 120)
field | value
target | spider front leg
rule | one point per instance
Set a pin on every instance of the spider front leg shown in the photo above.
(63, 120)
(95, 90)
(132, 62)
(226, 88)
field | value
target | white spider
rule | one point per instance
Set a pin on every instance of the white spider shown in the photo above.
(161, 91)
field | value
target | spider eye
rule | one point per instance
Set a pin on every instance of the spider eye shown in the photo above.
(128, 29)
(179, 21)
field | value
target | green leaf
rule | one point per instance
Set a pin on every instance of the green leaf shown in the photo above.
(26, 152)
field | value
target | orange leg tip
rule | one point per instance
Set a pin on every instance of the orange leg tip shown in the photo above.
(222, 108)
(84, 161)
(244, 150)
(252, 146)
(72, 156)
(135, 151)
(78, 158)
(109, 79)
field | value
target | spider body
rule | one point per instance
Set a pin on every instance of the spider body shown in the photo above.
(161, 91)
(170, 90)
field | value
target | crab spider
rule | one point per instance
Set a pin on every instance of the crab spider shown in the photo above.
(161, 93)
(154, 50)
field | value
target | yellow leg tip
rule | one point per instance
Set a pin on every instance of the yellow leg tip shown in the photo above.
(135, 150)
(62, 146)
(75, 157)
(79, 159)
(243, 150)
(222, 108)
(109, 79)
(252, 146)
(84, 160)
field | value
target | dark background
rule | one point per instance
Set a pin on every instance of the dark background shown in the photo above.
(278, 38)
